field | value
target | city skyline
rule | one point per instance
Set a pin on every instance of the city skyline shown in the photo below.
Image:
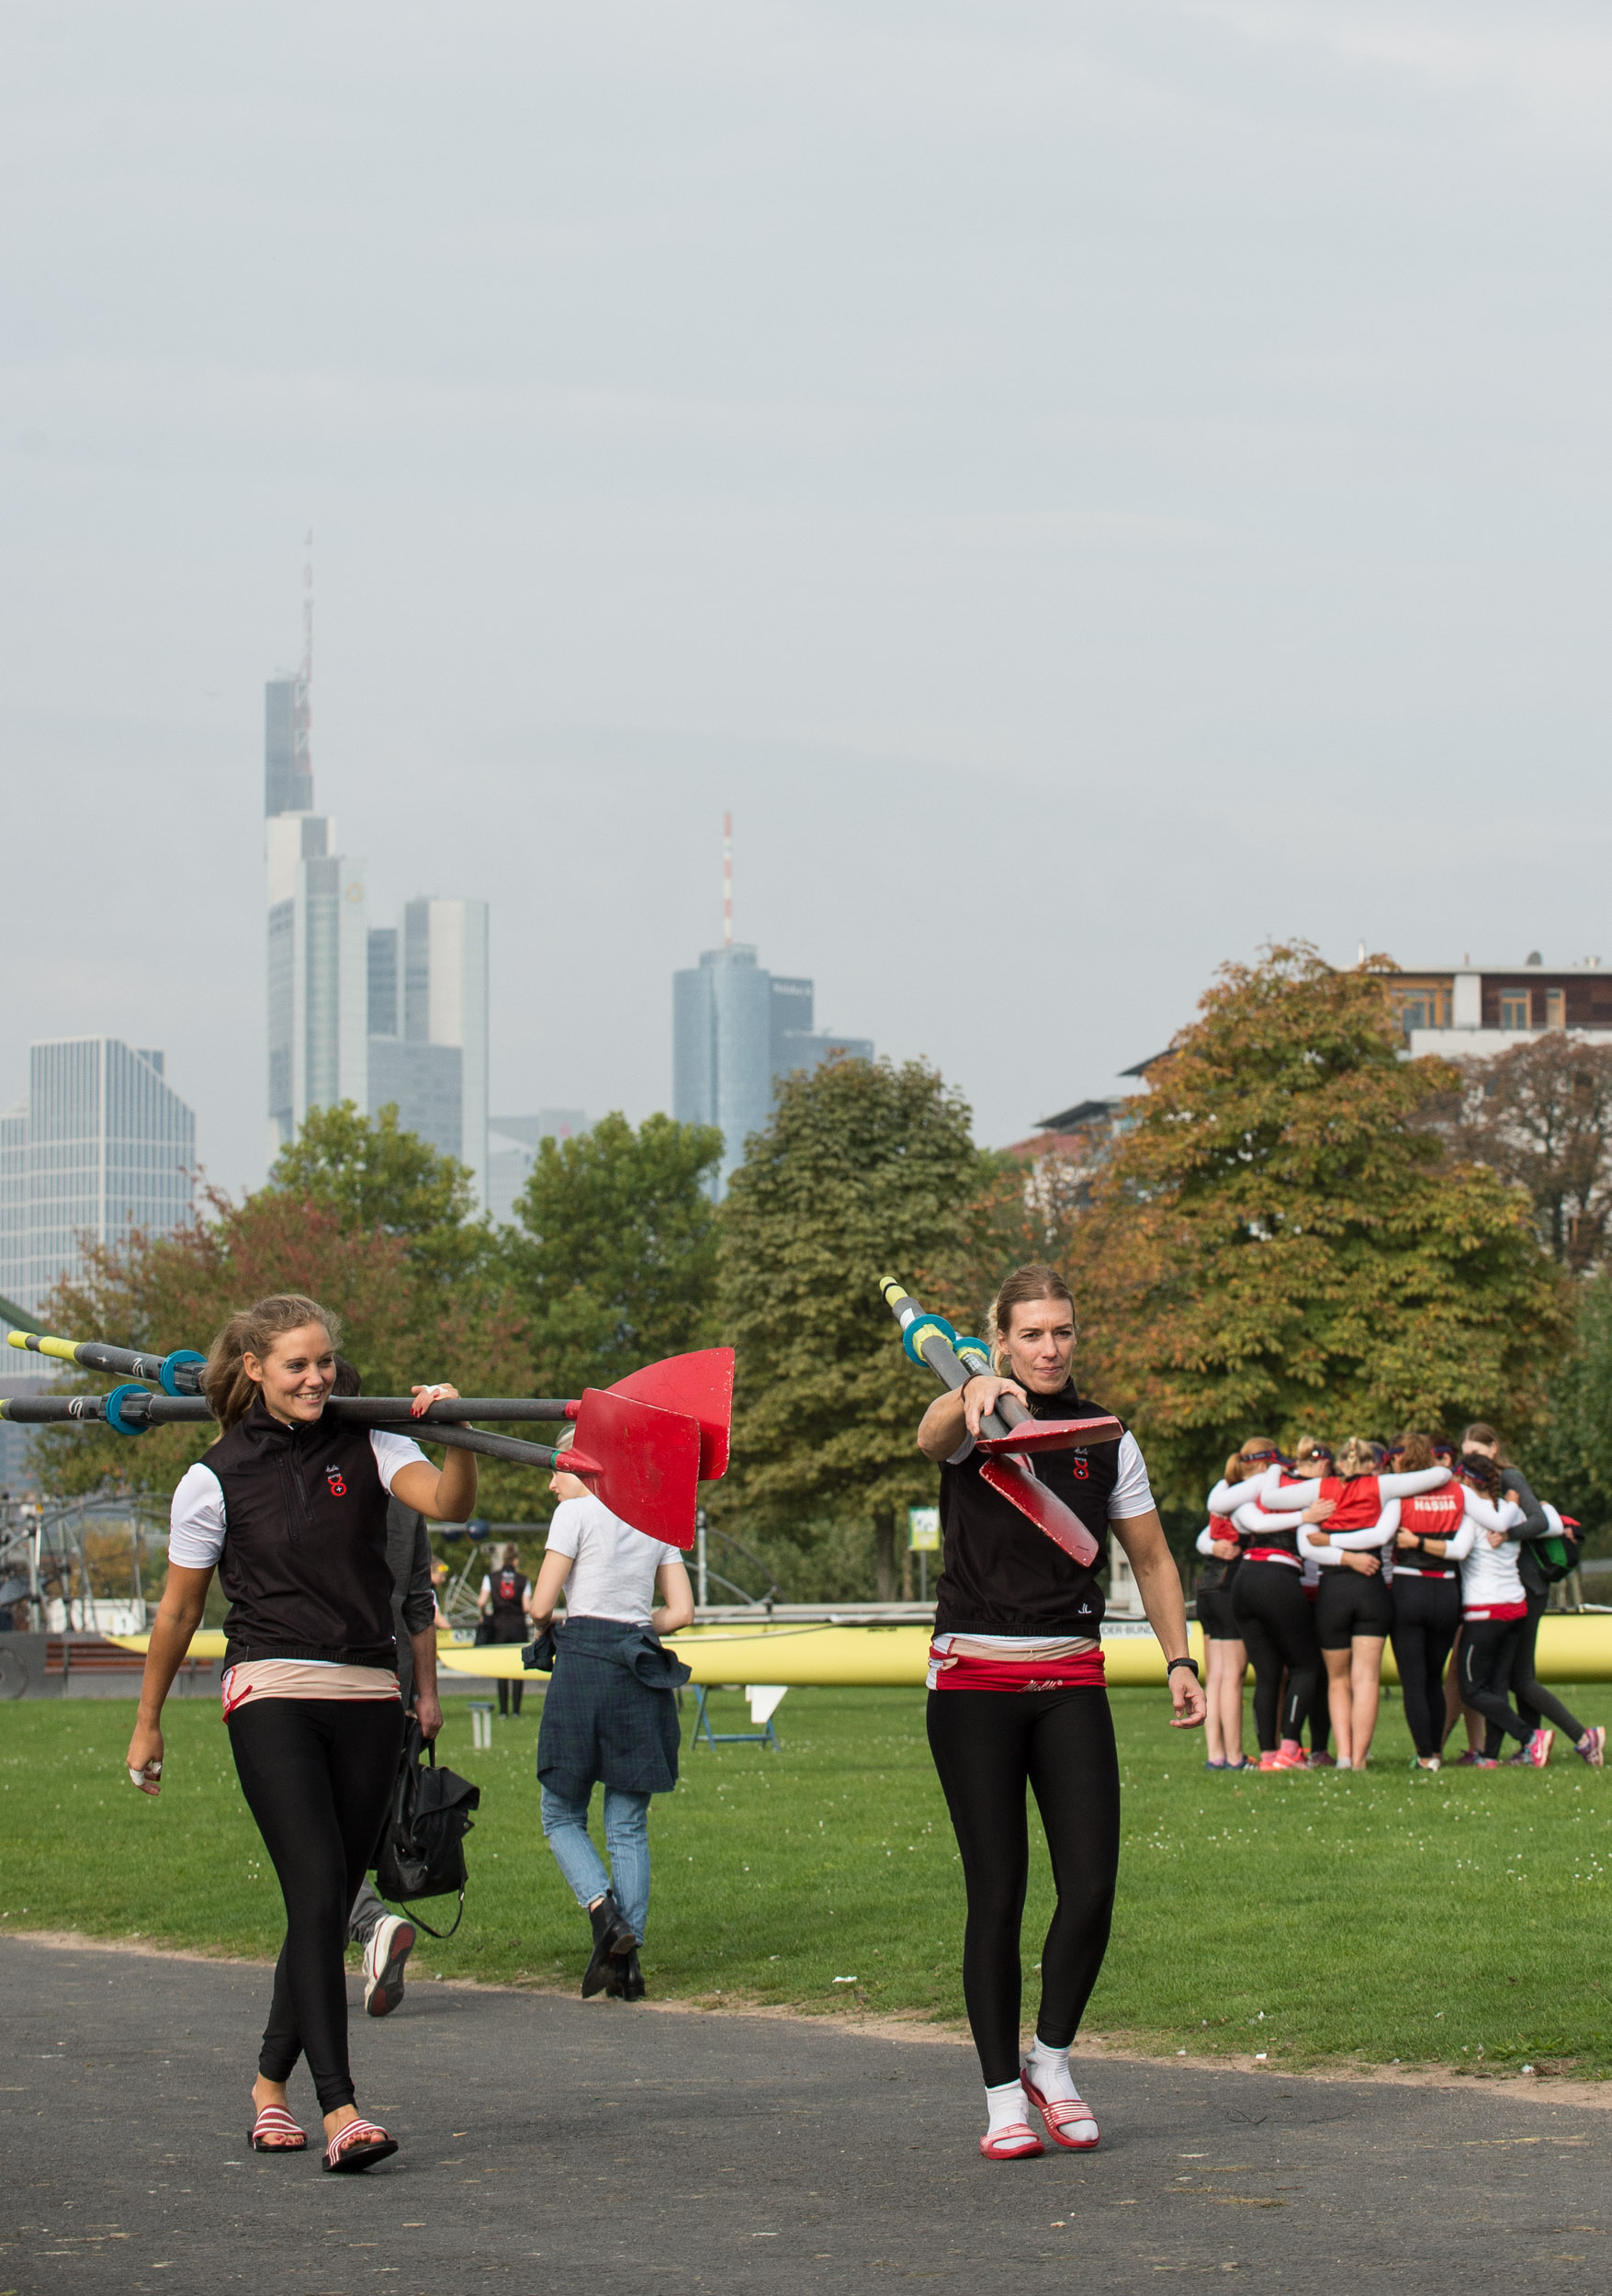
(382, 1017)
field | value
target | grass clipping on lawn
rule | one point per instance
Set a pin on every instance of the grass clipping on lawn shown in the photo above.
(1456, 1919)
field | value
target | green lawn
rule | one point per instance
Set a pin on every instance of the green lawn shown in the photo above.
(1460, 1918)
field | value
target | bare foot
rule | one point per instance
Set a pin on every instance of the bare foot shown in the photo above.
(263, 2094)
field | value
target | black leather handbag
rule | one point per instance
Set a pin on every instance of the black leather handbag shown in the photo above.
(421, 1851)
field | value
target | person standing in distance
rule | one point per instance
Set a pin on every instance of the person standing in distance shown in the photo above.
(290, 1509)
(502, 1603)
(1016, 1701)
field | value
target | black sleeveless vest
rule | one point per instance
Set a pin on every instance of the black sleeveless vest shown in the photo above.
(304, 1563)
(1000, 1574)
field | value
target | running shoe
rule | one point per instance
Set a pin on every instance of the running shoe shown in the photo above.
(389, 1946)
(1536, 1752)
(1592, 1746)
(1214, 1764)
(1468, 1760)
(1285, 1757)
(1320, 1761)
(1480, 1762)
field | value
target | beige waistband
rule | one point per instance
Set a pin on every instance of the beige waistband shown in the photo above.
(302, 1678)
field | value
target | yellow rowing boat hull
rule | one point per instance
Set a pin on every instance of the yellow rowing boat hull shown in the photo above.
(1574, 1647)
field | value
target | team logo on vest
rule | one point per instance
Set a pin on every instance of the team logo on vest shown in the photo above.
(1079, 1466)
(338, 1489)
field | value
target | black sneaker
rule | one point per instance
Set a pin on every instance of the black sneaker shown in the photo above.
(613, 1939)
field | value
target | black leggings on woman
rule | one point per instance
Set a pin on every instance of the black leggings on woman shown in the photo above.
(1427, 1612)
(1488, 1649)
(988, 1746)
(1534, 1701)
(318, 1775)
(1279, 1629)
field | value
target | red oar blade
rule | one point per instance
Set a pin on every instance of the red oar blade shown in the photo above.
(648, 1463)
(701, 1387)
(1016, 1481)
(1051, 1435)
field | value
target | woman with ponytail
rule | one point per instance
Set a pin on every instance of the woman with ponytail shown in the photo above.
(289, 1509)
(1017, 1706)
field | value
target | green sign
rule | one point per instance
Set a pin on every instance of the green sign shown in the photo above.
(923, 1530)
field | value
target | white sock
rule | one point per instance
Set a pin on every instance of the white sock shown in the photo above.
(1006, 2106)
(1049, 2072)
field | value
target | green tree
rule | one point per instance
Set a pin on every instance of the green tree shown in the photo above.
(366, 1219)
(864, 1170)
(1276, 1246)
(1569, 1461)
(375, 1177)
(612, 1259)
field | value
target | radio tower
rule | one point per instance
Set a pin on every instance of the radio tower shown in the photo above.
(302, 718)
(727, 880)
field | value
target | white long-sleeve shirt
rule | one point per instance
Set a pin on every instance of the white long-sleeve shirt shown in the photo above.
(1226, 1498)
(1491, 1586)
(1302, 1495)
(1329, 1552)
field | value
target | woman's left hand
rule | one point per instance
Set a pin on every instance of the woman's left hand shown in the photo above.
(1186, 1696)
(425, 1397)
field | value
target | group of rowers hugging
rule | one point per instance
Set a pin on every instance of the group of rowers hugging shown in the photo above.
(1312, 1563)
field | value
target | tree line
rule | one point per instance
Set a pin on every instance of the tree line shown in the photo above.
(1294, 1227)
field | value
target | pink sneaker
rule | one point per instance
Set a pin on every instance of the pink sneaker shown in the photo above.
(1592, 1746)
(1536, 1752)
(1482, 1761)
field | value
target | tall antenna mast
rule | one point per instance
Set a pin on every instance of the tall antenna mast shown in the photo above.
(727, 880)
(302, 737)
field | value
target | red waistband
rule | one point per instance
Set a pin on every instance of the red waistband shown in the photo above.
(1083, 1670)
(1272, 1555)
(1496, 1610)
(1423, 1571)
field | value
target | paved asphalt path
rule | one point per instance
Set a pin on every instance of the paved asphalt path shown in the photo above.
(593, 2147)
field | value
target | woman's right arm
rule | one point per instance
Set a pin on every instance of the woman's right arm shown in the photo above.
(953, 1416)
(1276, 1495)
(179, 1615)
(552, 1574)
(1226, 1498)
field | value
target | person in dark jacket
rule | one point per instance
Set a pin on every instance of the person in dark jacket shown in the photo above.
(609, 1717)
(290, 1509)
(1534, 1701)
(502, 1603)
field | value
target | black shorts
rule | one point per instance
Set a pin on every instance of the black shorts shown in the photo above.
(1350, 1604)
(1215, 1614)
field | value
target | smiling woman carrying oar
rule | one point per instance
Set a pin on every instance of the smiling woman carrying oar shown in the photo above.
(290, 1508)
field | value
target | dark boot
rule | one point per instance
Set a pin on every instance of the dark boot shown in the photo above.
(632, 1977)
(613, 1937)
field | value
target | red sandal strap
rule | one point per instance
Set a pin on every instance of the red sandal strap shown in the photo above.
(361, 2131)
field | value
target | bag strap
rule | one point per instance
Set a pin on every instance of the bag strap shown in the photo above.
(429, 1932)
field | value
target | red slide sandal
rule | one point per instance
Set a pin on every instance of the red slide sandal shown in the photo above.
(359, 2146)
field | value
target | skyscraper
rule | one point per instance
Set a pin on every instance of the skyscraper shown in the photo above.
(101, 1146)
(428, 1027)
(734, 1031)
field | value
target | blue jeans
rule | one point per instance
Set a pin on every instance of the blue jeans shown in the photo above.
(626, 1837)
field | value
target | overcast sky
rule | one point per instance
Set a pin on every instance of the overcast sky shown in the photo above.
(1091, 487)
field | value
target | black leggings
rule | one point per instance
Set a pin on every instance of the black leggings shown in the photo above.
(509, 1688)
(988, 1745)
(1533, 1699)
(1279, 1629)
(1427, 1612)
(318, 1775)
(1488, 1650)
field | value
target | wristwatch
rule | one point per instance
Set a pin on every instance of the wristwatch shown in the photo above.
(1183, 1662)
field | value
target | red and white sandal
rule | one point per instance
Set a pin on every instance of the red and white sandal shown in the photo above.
(358, 2145)
(1018, 2141)
(1072, 2113)
(274, 2131)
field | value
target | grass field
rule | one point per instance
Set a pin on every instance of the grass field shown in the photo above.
(1461, 1918)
